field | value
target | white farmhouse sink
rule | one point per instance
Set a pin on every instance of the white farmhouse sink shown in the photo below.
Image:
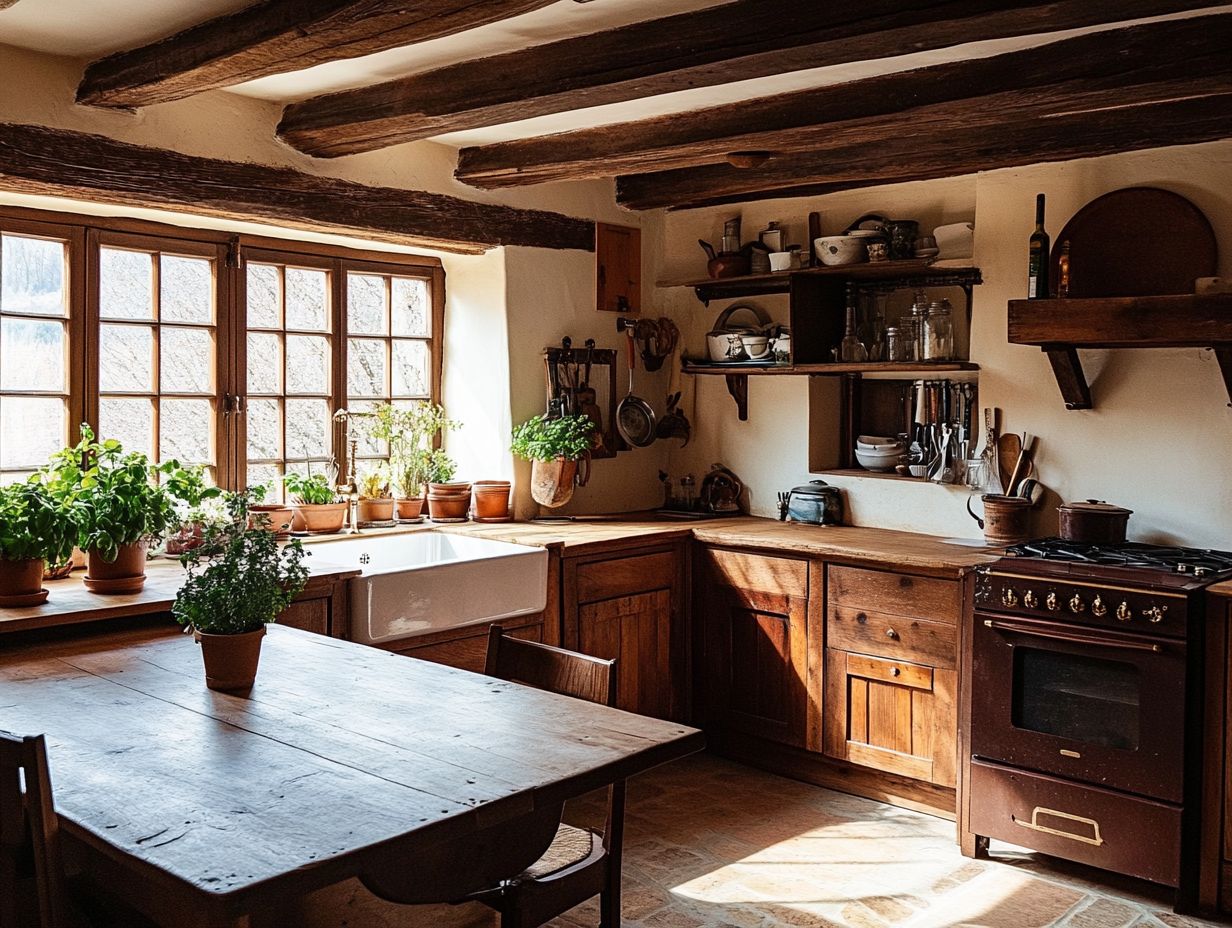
(425, 582)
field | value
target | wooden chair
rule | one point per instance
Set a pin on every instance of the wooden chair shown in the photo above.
(580, 863)
(34, 889)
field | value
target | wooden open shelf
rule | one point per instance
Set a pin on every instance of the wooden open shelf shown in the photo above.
(905, 273)
(1061, 327)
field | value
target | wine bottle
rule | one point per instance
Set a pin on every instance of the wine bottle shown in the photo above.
(1037, 267)
(1063, 272)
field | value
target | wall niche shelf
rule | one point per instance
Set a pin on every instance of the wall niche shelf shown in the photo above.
(1061, 327)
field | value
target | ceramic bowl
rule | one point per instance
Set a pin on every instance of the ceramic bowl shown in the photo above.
(882, 463)
(878, 443)
(725, 346)
(756, 347)
(839, 250)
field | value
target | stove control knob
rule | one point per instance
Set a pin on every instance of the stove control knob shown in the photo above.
(1030, 600)
(1098, 607)
(1124, 613)
(1076, 605)
(1051, 602)
(1155, 613)
(1009, 598)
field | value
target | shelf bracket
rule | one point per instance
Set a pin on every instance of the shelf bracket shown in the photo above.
(1067, 368)
(1224, 356)
(738, 387)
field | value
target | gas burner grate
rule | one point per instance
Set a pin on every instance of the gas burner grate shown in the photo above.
(1196, 562)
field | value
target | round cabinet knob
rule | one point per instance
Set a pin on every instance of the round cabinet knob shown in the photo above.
(1009, 598)
(1155, 613)
(1030, 600)
(1098, 607)
(1124, 613)
(1076, 605)
(1051, 602)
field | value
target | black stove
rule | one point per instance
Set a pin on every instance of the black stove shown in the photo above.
(1199, 563)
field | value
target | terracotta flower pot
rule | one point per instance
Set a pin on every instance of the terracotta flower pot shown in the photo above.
(320, 518)
(188, 537)
(376, 510)
(21, 582)
(230, 660)
(449, 489)
(552, 482)
(126, 574)
(452, 508)
(492, 499)
(410, 507)
(279, 517)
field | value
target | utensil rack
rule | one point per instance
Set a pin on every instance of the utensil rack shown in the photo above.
(1061, 327)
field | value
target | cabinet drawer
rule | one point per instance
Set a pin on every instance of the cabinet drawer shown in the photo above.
(626, 576)
(757, 572)
(901, 673)
(896, 594)
(893, 636)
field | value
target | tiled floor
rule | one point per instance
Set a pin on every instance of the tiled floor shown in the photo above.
(710, 844)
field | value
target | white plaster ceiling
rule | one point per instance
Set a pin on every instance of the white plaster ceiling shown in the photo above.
(89, 29)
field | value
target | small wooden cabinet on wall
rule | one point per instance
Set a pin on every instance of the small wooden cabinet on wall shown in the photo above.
(631, 605)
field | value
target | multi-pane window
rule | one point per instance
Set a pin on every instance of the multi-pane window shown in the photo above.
(157, 360)
(213, 349)
(290, 364)
(34, 351)
(389, 348)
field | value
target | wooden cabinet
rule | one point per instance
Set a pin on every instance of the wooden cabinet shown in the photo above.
(890, 674)
(630, 605)
(1215, 882)
(753, 613)
(321, 607)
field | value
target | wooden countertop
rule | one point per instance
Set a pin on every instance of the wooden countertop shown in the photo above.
(1221, 589)
(70, 602)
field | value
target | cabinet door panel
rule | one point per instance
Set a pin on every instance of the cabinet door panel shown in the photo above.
(310, 615)
(636, 632)
(757, 662)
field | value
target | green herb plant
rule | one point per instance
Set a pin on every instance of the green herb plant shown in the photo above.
(375, 483)
(239, 578)
(439, 467)
(413, 433)
(313, 489)
(34, 525)
(112, 494)
(543, 439)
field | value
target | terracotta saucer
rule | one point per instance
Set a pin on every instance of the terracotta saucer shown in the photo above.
(493, 519)
(415, 521)
(118, 585)
(450, 521)
(24, 599)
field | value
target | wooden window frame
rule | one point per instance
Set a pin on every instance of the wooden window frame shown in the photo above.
(85, 234)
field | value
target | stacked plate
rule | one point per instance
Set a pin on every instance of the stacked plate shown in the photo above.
(880, 454)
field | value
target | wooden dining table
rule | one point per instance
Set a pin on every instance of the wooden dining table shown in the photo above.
(203, 809)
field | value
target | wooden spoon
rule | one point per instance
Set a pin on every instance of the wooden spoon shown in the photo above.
(1009, 447)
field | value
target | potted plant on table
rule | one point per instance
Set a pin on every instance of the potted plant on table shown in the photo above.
(375, 502)
(35, 528)
(239, 580)
(447, 502)
(273, 517)
(191, 496)
(319, 510)
(559, 452)
(118, 508)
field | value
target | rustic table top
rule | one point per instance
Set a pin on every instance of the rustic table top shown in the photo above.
(339, 753)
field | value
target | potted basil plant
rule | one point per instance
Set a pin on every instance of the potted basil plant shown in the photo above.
(239, 580)
(319, 510)
(559, 452)
(119, 508)
(35, 528)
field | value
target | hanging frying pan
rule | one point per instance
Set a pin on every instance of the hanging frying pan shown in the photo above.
(634, 417)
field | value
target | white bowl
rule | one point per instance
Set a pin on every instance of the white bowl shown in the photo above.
(878, 443)
(757, 347)
(725, 346)
(880, 463)
(839, 250)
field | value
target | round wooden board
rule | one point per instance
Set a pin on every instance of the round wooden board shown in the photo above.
(1140, 241)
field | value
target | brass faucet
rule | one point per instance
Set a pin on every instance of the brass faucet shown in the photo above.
(350, 487)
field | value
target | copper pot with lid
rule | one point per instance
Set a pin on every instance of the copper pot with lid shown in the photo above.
(1094, 522)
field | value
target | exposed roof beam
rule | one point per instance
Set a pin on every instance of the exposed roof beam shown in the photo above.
(1187, 117)
(1087, 72)
(277, 36)
(737, 41)
(56, 162)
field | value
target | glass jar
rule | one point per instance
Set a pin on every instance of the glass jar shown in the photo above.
(894, 345)
(937, 341)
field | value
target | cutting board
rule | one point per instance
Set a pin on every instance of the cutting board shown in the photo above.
(1140, 241)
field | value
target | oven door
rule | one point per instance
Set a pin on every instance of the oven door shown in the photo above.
(1091, 704)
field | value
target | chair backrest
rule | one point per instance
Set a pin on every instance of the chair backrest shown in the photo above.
(29, 829)
(553, 669)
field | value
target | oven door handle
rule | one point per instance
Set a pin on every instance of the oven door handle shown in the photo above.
(1073, 637)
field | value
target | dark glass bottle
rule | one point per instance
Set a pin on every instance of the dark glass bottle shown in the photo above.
(1063, 272)
(1037, 268)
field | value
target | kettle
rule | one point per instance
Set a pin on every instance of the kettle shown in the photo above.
(816, 503)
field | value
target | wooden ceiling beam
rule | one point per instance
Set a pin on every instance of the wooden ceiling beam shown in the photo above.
(277, 36)
(735, 41)
(56, 162)
(1183, 118)
(1088, 71)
